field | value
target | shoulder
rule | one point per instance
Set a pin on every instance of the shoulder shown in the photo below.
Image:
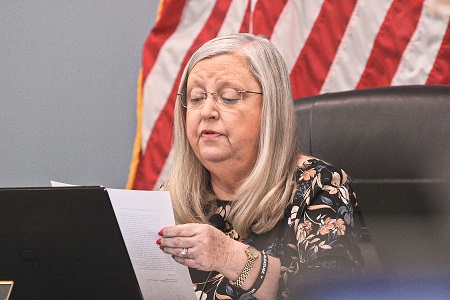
(316, 181)
(311, 169)
(322, 189)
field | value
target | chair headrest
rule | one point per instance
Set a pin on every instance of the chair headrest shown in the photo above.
(396, 132)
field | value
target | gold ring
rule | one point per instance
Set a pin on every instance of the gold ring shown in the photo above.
(184, 253)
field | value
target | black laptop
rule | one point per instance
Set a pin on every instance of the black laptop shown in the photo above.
(63, 243)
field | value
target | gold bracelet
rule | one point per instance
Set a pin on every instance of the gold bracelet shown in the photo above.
(252, 255)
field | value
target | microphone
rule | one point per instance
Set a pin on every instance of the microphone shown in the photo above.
(217, 221)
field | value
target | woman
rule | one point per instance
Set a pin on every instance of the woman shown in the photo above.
(236, 170)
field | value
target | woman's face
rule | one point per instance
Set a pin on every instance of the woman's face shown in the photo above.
(224, 134)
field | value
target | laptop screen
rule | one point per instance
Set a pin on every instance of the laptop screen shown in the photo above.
(63, 243)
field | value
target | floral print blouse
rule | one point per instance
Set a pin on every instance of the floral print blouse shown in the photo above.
(317, 238)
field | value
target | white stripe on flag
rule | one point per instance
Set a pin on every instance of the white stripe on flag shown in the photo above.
(293, 28)
(252, 11)
(233, 20)
(420, 54)
(356, 45)
(160, 80)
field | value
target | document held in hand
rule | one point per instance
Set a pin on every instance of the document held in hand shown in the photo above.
(140, 215)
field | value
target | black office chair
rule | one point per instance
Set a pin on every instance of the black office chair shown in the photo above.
(394, 143)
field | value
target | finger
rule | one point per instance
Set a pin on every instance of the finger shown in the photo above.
(183, 253)
(189, 262)
(192, 262)
(176, 242)
(178, 230)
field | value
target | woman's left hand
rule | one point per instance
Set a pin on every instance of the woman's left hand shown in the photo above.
(207, 247)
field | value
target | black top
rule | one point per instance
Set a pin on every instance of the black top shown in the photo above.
(318, 236)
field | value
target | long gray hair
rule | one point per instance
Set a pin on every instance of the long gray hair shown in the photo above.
(261, 200)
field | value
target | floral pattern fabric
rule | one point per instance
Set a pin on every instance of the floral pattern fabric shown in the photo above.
(318, 237)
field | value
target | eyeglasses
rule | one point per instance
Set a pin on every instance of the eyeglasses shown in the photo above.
(226, 98)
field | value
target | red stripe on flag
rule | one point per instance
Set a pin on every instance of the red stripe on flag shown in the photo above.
(245, 25)
(314, 61)
(440, 74)
(160, 141)
(392, 39)
(163, 29)
(266, 15)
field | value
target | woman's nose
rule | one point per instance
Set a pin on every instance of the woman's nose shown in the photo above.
(209, 108)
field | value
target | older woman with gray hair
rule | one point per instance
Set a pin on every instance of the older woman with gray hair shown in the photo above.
(255, 217)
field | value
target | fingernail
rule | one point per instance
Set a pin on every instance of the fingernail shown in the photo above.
(161, 247)
(160, 233)
(158, 241)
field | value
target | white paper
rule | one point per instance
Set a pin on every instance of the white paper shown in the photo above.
(60, 184)
(140, 215)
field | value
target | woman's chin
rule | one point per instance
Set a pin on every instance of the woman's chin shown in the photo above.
(212, 157)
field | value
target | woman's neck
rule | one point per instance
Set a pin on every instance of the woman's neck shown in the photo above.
(226, 184)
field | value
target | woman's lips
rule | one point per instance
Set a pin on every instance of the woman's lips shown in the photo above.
(209, 134)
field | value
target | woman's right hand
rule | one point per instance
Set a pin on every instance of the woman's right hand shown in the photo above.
(207, 247)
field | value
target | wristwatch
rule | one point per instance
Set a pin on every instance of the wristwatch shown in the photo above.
(252, 255)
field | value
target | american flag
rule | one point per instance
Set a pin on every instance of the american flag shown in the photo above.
(328, 46)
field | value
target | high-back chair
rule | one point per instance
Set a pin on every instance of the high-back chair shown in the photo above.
(394, 142)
